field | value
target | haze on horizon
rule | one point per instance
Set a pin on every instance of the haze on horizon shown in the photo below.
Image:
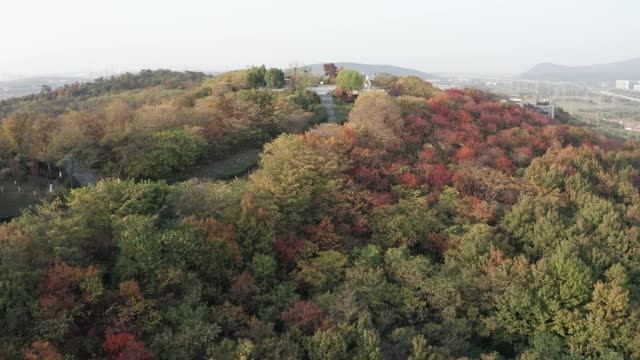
(493, 36)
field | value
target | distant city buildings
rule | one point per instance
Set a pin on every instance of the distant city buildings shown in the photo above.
(623, 85)
(628, 85)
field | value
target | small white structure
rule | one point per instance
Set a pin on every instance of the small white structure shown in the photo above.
(636, 87)
(544, 107)
(368, 80)
(623, 84)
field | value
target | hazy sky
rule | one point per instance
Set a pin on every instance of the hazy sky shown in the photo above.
(493, 36)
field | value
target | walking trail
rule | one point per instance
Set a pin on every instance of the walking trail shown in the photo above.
(326, 100)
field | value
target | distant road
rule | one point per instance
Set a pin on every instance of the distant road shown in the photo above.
(618, 95)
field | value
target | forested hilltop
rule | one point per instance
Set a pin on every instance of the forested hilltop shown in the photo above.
(431, 225)
(155, 124)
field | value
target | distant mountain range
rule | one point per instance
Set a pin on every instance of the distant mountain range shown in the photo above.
(371, 69)
(623, 70)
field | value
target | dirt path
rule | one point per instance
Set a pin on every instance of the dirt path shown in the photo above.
(326, 100)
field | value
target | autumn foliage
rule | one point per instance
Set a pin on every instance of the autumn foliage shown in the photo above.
(431, 225)
(304, 314)
(125, 347)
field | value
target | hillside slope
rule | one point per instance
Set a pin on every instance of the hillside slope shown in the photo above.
(152, 125)
(432, 225)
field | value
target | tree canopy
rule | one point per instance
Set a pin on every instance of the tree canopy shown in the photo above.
(432, 225)
(350, 80)
(160, 131)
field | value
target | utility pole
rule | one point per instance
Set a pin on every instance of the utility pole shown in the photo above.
(293, 79)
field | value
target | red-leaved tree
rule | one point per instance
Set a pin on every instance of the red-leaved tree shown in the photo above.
(125, 347)
(305, 315)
